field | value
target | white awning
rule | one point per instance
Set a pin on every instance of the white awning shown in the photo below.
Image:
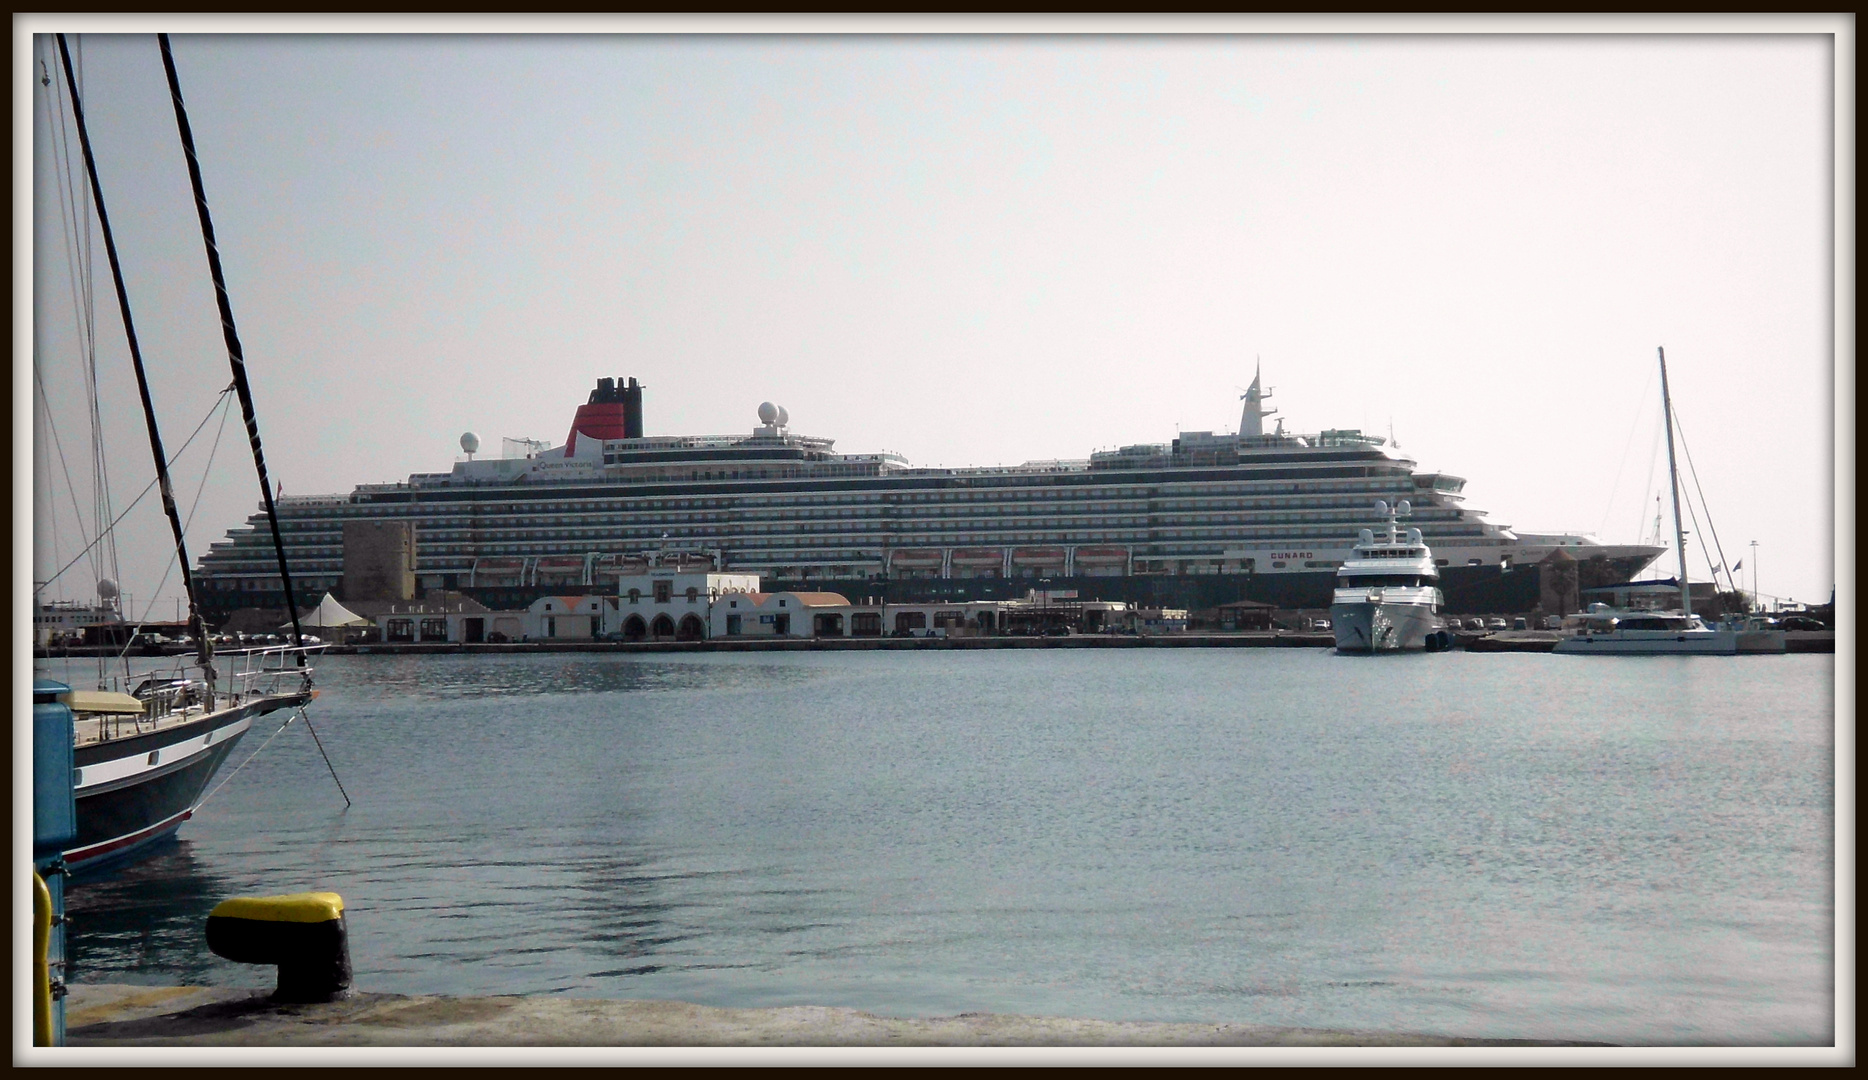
(328, 614)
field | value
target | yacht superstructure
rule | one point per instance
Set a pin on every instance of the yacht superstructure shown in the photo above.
(1388, 596)
(1201, 519)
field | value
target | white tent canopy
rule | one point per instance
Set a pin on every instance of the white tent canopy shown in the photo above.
(329, 614)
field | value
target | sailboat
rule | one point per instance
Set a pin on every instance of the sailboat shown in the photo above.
(1605, 630)
(145, 746)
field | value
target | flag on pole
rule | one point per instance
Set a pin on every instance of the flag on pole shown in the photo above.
(1737, 566)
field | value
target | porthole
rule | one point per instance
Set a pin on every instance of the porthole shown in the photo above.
(155, 756)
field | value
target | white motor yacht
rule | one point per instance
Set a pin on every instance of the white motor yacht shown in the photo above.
(1387, 595)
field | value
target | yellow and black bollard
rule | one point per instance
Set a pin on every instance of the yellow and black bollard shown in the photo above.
(303, 933)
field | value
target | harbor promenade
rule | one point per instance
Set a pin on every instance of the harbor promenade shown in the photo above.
(112, 1015)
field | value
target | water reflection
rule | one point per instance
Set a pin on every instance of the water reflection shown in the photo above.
(446, 677)
(1487, 845)
(145, 922)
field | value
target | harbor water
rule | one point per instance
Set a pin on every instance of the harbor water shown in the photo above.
(1636, 850)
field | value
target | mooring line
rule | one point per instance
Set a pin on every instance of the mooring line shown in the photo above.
(244, 764)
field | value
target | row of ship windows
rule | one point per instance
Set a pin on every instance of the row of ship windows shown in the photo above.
(463, 551)
(260, 582)
(1205, 491)
(968, 504)
(263, 584)
(830, 522)
(449, 540)
(549, 542)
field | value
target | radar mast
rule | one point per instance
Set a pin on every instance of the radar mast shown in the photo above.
(1252, 420)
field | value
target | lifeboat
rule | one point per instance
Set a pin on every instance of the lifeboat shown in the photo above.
(915, 557)
(979, 557)
(1038, 556)
(619, 565)
(487, 571)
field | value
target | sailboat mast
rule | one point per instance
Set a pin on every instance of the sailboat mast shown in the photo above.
(204, 649)
(1673, 486)
(236, 356)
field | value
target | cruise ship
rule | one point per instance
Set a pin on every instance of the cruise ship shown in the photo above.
(1204, 519)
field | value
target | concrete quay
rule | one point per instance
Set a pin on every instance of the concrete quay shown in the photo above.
(1500, 641)
(1237, 640)
(115, 1015)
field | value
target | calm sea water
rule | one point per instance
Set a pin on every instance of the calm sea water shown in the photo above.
(1636, 850)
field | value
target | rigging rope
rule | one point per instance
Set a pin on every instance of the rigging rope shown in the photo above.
(1653, 459)
(136, 355)
(236, 355)
(1710, 527)
(206, 471)
(1615, 488)
(248, 761)
(221, 400)
(75, 235)
(71, 489)
(325, 756)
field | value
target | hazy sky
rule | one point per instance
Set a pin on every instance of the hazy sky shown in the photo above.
(971, 250)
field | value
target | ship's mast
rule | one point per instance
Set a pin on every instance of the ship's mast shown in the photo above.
(1673, 486)
(236, 356)
(1252, 419)
(204, 649)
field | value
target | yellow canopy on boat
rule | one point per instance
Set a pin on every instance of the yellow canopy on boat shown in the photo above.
(100, 701)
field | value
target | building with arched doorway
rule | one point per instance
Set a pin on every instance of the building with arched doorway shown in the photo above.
(670, 602)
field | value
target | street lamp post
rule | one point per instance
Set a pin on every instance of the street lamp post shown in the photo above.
(1754, 571)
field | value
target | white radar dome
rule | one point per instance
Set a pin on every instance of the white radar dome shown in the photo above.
(1404, 508)
(470, 442)
(1381, 507)
(107, 589)
(768, 413)
(783, 416)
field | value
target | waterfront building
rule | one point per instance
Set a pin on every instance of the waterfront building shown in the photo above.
(675, 599)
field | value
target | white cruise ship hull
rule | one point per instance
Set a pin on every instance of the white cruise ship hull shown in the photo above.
(1377, 626)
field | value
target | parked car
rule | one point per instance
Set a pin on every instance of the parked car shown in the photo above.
(1454, 624)
(1802, 622)
(1058, 631)
(1496, 624)
(1519, 623)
